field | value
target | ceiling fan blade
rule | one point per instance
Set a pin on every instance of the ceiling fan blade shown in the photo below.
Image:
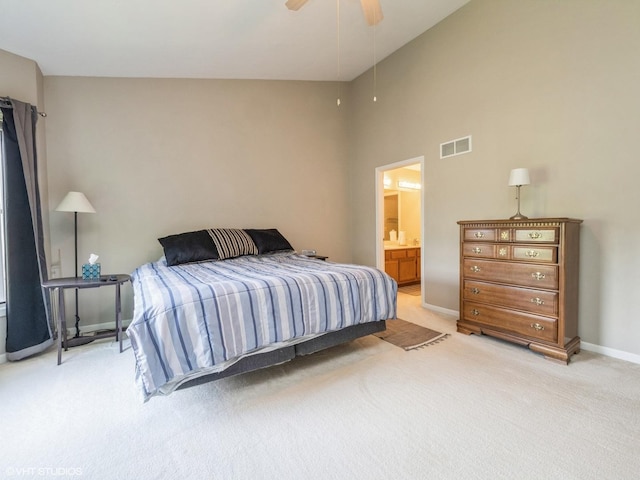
(295, 4)
(372, 11)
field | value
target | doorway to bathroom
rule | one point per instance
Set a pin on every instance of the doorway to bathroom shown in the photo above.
(400, 223)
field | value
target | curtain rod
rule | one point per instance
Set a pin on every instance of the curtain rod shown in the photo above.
(6, 102)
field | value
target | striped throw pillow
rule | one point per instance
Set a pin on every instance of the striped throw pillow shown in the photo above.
(232, 242)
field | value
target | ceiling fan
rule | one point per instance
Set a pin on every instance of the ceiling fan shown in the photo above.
(370, 8)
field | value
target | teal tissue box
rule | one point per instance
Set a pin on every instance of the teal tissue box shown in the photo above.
(90, 271)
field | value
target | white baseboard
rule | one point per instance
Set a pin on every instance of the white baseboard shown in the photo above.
(590, 347)
(611, 352)
(95, 327)
(445, 311)
(86, 330)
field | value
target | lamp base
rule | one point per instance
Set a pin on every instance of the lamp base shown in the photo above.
(518, 215)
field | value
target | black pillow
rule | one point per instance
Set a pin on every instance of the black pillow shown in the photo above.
(268, 240)
(188, 247)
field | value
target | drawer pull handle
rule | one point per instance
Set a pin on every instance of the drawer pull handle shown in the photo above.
(534, 235)
(477, 250)
(532, 253)
(475, 291)
(538, 275)
(475, 312)
(537, 301)
(537, 326)
(475, 269)
(479, 234)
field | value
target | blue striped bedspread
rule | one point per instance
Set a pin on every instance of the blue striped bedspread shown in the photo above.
(200, 318)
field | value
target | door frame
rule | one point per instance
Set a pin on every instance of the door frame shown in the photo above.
(380, 212)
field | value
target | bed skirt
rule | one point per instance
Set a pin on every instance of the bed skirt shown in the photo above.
(284, 354)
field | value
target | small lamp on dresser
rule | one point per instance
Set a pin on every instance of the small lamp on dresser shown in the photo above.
(517, 178)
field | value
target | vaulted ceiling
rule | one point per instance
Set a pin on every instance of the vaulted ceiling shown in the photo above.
(239, 39)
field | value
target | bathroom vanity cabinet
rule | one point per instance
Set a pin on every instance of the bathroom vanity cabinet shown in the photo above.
(403, 264)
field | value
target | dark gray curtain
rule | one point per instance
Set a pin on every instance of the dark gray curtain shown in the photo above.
(28, 326)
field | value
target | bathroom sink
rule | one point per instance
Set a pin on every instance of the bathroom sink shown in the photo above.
(398, 247)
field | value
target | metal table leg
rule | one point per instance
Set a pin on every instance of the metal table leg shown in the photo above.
(62, 324)
(118, 317)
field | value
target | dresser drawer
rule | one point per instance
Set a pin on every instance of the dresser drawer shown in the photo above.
(535, 254)
(520, 274)
(540, 302)
(530, 253)
(537, 235)
(532, 326)
(480, 234)
(479, 250)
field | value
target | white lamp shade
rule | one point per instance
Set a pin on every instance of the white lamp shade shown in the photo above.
(75, 202)
(519, 176)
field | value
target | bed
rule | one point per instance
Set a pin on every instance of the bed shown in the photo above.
(227, 301)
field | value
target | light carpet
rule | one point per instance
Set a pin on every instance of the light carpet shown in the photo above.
(472, 408)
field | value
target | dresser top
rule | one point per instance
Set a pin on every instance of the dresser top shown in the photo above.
(522, 222)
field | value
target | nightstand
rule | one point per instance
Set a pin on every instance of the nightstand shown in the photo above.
(61, 284)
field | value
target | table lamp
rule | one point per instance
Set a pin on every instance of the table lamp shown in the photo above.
(517, 178)
(76, 202)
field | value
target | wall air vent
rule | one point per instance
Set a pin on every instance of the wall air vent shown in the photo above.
(455, 147)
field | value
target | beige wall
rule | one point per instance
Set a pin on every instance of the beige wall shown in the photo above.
(157, 157)
(21, 79)
(545, 84)
(410, 216)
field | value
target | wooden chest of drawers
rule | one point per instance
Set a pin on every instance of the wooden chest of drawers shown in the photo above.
(519, 282)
